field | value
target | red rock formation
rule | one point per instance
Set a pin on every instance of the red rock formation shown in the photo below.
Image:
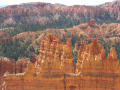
(93, 60)
(67, 57)
(112, 55)
(113, 9)
(105, 12)
(51, 49)
(54, 71)
(95, 47)
(21, 65)
(6, 65)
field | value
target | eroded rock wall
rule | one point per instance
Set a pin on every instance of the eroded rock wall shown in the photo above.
(53, 69)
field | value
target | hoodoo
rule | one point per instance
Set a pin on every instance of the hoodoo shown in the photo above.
(54, 69)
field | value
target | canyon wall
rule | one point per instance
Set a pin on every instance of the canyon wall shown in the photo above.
(9, 66)
(54, 69)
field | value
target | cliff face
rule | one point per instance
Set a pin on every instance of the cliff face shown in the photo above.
(51, 50)
(114, 9)
(92, 58)
(8, 66)
(54, 70)
(21, 65)
(53, 14)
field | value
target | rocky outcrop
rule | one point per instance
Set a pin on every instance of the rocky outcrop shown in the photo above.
(54, 49)
(113, 9)
(6, 66)
(9, 66)
(92, 59)
(53, 69)
(60, 14)
(21, 65)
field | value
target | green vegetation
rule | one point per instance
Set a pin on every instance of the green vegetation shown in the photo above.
(14, 49)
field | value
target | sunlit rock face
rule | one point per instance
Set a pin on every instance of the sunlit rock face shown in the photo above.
(52, 49)
(6, 66)
(9, 66)
(21, 65)
(54, 69)
(92, 59)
